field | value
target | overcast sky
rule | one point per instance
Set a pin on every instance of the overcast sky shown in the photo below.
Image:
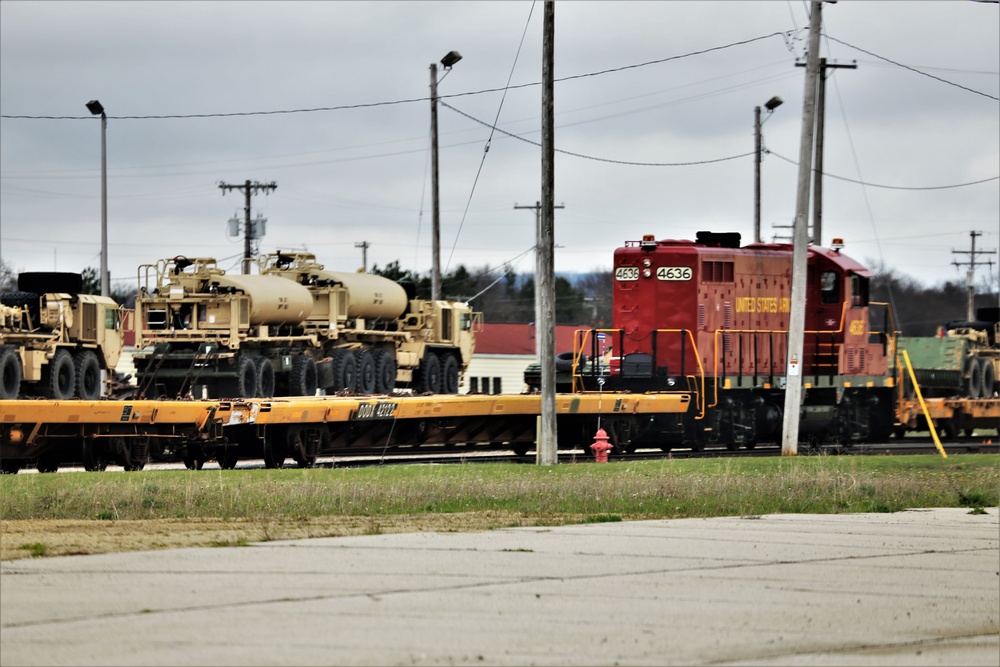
(920, 112)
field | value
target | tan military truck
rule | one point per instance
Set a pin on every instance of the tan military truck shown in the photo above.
(56, 342)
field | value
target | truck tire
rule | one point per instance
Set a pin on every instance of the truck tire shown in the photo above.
(345, 371)
(449, 374)
(430, 374)
(385, 372)
(366, 371)
(59, 379)
(265, 377)
(974, 383)
(302, 378)
(988, 381)
(88, 375)
(246, 377)
(10, 373)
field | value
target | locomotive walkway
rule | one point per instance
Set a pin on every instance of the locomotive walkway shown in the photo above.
(916, 587)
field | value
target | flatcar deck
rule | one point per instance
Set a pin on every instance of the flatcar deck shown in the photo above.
(57, 432)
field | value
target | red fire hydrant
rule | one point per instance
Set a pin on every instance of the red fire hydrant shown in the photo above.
(601, 446)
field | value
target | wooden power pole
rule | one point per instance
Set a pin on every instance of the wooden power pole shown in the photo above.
(970, 274)
(797, 316)
(817, 227)
(249, 189)
(547, 451)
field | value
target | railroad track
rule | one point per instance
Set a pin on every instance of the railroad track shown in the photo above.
(457, 454)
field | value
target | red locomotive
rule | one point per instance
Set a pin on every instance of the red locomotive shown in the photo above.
(711, 318)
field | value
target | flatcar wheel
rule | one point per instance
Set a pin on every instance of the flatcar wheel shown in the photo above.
(132, 453)
(194, 458)
(296, 442)
(93, 458)
(274, 452)
(948, 428)
(227, 457)
(47, 463)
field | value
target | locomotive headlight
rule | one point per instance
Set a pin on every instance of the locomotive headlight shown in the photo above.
(646, 273)
(647, 262)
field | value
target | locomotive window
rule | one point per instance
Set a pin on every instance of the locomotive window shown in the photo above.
(859, 291)
(828, 287)
(717, 272)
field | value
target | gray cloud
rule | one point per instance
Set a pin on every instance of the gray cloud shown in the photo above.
(362, 174)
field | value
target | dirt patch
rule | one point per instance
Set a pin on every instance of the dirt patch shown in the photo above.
(56, 537)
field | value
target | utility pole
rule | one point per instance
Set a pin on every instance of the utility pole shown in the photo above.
(817, 228)
(797, 316)
(249, 189)
(970, 274)
(364, 245)
(547, 452)
(537, 208)
(770, 105)
(447, 62)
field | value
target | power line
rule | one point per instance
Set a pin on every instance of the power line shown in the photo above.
(887, 187)
(369, 105)
(591, 157)
(912, 69)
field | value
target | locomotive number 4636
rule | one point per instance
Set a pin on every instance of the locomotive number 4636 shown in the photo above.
(673, 273)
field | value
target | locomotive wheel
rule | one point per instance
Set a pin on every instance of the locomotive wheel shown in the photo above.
(430, 374)
(227, 457)
(265, 377)
(274, 452)
(88, 375)
(10, 373)
(385, 372)
(94, 458)
(302, 379)
(246, 377)
(366, 371)
(449, 374)
(60, 377)
(10, 466)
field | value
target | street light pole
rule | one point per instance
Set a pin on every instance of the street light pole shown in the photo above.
(96, 108)
(450, 59)
(770, 105)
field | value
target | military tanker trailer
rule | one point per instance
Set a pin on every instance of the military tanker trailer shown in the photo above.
(290, 330)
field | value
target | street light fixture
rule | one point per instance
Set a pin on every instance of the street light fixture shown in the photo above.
(447, 62)
(97, 109)
(770, 105)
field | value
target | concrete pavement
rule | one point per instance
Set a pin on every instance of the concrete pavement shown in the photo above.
(920, 587)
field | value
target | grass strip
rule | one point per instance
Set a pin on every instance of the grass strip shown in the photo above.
(81, 513)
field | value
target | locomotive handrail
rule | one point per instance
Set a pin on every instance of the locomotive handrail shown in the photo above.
(581, 336)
